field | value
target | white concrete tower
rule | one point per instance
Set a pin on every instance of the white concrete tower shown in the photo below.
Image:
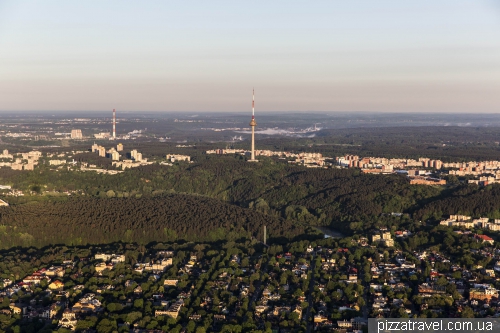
(253, 123)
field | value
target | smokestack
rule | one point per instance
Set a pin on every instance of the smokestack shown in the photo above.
(114, 124)
(265, 235)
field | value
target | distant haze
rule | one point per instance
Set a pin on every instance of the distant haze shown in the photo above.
(389, 56)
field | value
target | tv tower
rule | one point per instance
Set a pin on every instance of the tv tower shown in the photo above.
(253, 123)
(114, 124)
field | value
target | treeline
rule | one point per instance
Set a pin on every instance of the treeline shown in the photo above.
(93, 158)
(144, 220)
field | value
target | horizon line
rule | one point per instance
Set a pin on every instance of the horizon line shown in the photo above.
(260, 112)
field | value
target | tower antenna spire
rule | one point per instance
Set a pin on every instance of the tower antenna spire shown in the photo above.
(114, 124)
(253, 123)
(253, 103)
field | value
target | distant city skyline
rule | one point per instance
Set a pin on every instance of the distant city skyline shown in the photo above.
(383, 56)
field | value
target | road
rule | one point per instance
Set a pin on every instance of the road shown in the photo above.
(258, 287)
(310, 323)
(366, 287)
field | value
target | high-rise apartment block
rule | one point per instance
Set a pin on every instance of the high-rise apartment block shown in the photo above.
(76, 134)
(115, 156)
(102, 151)
(136, 155)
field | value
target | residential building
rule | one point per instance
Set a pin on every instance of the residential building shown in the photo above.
(76, 134)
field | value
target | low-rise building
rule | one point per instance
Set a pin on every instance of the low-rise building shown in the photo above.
(483, 293)
(56, 285)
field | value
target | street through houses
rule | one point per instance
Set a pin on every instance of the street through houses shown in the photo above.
(307, 320)
(258, 286)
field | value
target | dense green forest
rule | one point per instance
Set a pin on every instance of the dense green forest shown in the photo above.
(144, 220)
(312, 196)
(469, 200)
(220, 193)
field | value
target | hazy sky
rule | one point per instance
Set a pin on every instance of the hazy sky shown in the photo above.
(426, 55)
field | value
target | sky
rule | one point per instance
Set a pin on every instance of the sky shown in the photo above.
(383, 56)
